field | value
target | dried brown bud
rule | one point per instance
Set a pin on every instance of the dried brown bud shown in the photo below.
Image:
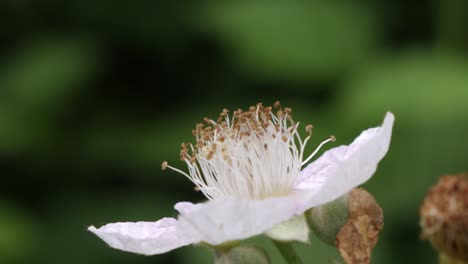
(444, 216)
(360, 234)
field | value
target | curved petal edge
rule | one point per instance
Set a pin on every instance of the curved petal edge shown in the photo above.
(147, 238)
(342, 168)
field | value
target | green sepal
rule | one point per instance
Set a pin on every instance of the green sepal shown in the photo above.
(242, 255)
(327, 220)
(294, 229)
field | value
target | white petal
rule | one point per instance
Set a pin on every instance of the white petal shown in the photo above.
(146, 238)
(340, 169)
(221, 221)
(185, 207)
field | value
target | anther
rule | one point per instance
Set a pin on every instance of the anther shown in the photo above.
(210, 155)
(224, 112)
(164, 165)
(280, 114)
(183, 154)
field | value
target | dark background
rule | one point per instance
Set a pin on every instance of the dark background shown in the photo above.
(94, 95)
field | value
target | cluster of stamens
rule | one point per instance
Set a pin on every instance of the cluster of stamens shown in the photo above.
(254, 154)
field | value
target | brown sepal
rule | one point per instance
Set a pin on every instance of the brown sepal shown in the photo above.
(359, 235)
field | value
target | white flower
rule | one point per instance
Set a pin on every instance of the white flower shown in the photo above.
(250, 168)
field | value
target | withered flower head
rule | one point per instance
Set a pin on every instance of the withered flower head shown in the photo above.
(444, 216)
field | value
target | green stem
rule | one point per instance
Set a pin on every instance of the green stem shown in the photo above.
(288, 252)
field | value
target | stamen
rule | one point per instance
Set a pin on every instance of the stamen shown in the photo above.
(332, 138)
(251, 154)
(165, 166)
(277, 105)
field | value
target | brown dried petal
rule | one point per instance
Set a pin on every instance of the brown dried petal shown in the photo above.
(360, 234)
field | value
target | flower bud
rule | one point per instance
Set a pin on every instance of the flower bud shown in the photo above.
(350, 223)
(444, 218)
(327, 220)
(242, 255)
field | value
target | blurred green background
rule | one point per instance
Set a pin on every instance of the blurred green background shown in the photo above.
(94, 95)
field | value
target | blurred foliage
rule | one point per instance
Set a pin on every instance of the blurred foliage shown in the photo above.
(95, 94)
(426, 87)
(18, 233)
(36, 84)
(302, 40)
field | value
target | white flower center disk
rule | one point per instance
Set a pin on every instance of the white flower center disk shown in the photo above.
(256, 154)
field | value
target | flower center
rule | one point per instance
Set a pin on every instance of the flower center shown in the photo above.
(254, 154)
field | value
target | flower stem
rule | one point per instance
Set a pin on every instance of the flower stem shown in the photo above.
(288, 252)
